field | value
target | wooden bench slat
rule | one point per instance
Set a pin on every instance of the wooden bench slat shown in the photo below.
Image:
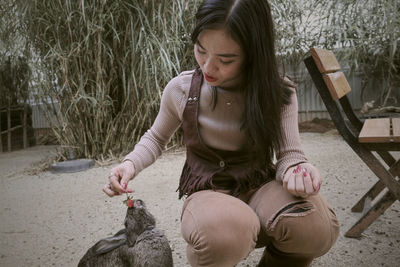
(396, 129)
(337, 84)
(375, 131)
(325, 60)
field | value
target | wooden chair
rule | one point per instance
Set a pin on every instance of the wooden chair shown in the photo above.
(364, 136)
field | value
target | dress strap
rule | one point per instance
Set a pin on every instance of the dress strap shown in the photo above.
(190, 113)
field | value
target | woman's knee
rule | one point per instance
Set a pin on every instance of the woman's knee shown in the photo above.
(307, 227)
(218, 228)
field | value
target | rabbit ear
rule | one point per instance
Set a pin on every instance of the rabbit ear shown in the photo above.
(107, 244)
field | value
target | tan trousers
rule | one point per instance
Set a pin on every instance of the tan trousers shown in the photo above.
(222, 230)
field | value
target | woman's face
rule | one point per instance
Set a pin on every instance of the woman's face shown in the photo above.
(220, 58)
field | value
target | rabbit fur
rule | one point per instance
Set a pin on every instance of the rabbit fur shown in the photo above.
(140, 244)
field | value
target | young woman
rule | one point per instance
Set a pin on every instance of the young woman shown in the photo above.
(237, 113)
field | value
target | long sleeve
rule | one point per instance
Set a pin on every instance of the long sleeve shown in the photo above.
(169, 118)
(290, 153)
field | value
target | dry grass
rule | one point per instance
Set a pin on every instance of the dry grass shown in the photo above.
(106, 64)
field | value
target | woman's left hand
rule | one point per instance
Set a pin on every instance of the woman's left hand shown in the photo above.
(302, 180)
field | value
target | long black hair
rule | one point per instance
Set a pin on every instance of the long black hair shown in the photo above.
(250, 24)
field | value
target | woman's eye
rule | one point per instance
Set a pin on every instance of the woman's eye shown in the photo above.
(226, 62)
(200, 52)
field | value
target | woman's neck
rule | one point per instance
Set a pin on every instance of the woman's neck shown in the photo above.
(236, 88)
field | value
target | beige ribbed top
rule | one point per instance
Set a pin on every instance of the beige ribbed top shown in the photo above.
(219, 128)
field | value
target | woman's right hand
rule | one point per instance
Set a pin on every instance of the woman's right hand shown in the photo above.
(119, 178)
(302, 180)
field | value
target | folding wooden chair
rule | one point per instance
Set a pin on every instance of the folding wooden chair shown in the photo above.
(364, 136)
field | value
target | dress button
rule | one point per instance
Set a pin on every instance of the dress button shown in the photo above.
(222, 164)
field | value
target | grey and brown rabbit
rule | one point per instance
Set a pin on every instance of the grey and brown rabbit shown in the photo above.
(140, 244)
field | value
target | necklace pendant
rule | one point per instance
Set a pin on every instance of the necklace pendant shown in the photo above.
(229, 103)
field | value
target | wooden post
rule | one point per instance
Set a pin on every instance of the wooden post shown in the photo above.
(1, 139)
(24, 126)
(9, 128)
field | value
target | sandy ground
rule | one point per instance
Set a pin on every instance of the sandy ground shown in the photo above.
(51, 219)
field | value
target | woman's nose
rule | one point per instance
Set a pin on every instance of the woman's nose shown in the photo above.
(209, 66)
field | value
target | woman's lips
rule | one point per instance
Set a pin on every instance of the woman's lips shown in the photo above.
(209, 78)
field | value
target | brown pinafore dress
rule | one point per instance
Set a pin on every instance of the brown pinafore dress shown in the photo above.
(204, 165)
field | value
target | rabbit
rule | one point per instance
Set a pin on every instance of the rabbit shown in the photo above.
(140, 244)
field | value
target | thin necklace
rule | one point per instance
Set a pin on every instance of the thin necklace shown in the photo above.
(229, 101)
